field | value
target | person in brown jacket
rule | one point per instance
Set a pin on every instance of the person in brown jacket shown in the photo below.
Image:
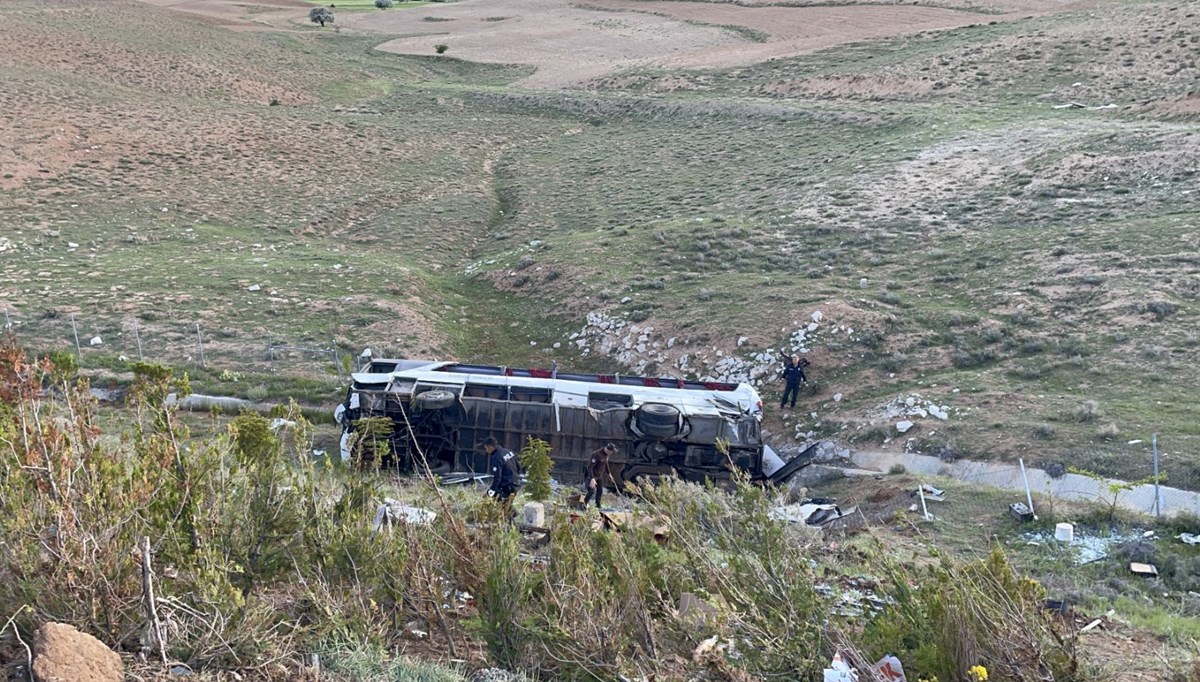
(598, 473)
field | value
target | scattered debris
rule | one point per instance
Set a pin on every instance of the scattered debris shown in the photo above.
(904, 425)
(1092, 625)
(393, 511)
(1064, 532)
(839, 671)
(1148, 570)
(1021, 513)
(96, 341)
(1189, 538)
(1086, 548)
(464, 477)
(281, 423)
(932, 493)
(889, 669)
(811, 513)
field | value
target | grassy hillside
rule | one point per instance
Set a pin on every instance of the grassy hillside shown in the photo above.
(964, 234)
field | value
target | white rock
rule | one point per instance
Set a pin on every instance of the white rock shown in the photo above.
(670, 342)
(253, 287)
(837, 397)
(96, 341)
(817, 316)
(626, 300)
(72, 245)
(904, 426)
(939, 412)
(812, 327)
(742, 341)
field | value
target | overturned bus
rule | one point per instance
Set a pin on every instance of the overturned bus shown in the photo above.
(443, 411)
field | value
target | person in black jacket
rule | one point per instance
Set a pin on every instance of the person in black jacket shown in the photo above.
(506, 472)
(793, 377)
(599, 474)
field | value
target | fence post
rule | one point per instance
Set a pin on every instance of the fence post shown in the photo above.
(337, 358)
(137, 335)
(200, 344)
(1157, 497)
(75, 331)
(1028, 493)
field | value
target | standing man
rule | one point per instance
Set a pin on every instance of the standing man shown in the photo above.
(598, 473)
(793, 376)
(505, 471)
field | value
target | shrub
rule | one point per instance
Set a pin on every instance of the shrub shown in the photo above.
(441, 48)
(1044, 432)
(1108, 432)
(535, 460)
(320, 15)
(1160, 310)
(1088, 411)
(383, 4)
(596, 611)
(947, 619)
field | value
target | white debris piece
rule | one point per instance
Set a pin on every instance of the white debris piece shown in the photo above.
(96, 341)
(904, 426)
(253, 287)
(392, 511)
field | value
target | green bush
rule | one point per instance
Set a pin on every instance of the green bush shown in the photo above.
(945, 619)
(535, 460)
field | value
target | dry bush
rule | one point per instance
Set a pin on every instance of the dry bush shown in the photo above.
(605, 605)
(260, 554)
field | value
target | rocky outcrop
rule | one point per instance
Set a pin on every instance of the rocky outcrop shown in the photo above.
(63, 654)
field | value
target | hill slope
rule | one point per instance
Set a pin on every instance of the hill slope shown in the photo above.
(1000, 217)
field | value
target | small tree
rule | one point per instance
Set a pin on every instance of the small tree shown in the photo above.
(383, 4)
(321, 15)
(535, 459)
(1115, 487)
(441, 48)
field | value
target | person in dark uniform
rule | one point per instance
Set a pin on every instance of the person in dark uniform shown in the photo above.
(793, 377)
(506, 472)
(598, 473)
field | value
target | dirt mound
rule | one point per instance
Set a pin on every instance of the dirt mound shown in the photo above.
(64, 654)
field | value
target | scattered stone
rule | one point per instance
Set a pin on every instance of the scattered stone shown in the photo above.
(493, 675)
(837, 397)
(61, 652)
(96, 341)
(253, 287)
(904, 426)
(535, 514)
(626, 299)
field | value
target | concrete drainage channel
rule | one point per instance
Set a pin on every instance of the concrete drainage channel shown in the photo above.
(1007, 476)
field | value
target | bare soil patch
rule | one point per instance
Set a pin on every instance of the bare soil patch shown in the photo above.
(571, 43)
